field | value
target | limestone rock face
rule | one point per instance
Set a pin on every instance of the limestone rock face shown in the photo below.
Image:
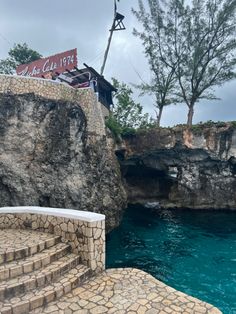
(176, 168)
(49, 157)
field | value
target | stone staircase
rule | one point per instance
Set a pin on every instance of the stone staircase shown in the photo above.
(35, 269)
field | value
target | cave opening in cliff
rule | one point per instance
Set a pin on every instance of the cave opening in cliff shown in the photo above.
(146, 184)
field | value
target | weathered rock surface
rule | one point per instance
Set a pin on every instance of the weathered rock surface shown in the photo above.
(48, 158)
(178, 168)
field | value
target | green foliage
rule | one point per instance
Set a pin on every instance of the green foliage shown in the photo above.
(127, 116)
(195, 44)
(233, 123)
(154, 39)
(114, 126)
(7, 66)
(201, 126)
(126, 132)
(127, 112)
(210, 123)
(207, 49)
(198, 128)
(19, 54)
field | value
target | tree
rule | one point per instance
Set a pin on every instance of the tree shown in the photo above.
(153, 38)
(206, 56)
(199, 43)
(127, 114)
(19, 54)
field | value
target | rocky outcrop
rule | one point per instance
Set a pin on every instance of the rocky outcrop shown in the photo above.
(51, 157)
(176, 168)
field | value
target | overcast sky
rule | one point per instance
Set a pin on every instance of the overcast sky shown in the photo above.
(53, 26)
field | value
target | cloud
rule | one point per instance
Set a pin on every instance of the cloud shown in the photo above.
(56, 25)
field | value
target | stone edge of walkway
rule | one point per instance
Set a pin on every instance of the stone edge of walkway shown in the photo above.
(127, 290)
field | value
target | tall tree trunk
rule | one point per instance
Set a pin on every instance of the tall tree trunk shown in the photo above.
(190, 116)
(159, 115)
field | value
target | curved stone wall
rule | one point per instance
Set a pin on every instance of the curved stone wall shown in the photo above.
(84, 231)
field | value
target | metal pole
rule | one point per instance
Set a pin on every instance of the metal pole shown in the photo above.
(109, 40)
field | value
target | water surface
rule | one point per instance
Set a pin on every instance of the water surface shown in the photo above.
(192, 251)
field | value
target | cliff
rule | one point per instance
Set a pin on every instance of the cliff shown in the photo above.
(54, 151)
(177, 168)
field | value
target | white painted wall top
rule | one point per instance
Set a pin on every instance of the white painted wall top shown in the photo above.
(58, 212)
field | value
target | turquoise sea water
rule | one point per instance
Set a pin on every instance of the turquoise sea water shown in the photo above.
(192, 251)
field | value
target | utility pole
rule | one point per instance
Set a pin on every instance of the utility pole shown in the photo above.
(117, 25)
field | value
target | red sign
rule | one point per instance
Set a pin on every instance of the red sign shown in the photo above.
(58, 63)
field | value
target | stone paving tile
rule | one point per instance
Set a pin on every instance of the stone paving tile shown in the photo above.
(128, 291)
(40, 284)
(46, 275)
(17, 244)
(16, 239)
(86, 238)
(34, 262)
(52, 291)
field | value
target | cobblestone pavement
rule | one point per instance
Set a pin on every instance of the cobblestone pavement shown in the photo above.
(35, 269)
(83, 233)
(126, 291)
(11, 239)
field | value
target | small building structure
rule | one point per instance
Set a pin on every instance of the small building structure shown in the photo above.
(63, 67)
(89, 77)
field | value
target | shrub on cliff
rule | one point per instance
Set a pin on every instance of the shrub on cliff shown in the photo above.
(127, 116)
(126, 111)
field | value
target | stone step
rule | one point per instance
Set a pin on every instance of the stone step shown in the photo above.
(39, 278)
(23, 243)
(42, 296)
(23, 266)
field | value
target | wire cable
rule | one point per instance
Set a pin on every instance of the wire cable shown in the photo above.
(4, 38)
(96, 57)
